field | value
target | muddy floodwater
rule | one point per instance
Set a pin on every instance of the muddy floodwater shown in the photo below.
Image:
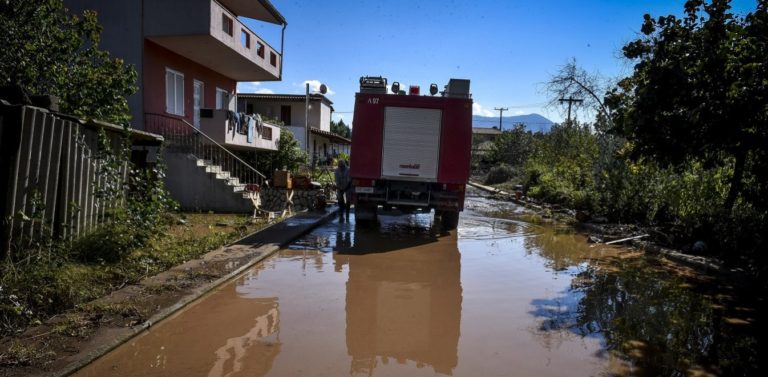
(498, 297)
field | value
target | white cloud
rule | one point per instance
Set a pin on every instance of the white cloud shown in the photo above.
(478, 109)
(253, 87)
(314, 86)
(519, 112)
(248, 86)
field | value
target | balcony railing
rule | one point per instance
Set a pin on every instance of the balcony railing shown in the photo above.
(181, 136)
(234, 131)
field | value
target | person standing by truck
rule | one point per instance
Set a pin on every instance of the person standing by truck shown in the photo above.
(343, 188)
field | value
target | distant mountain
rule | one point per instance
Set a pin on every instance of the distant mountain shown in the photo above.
(533, 122)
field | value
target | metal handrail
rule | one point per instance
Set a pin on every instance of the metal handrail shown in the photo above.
(171, 137)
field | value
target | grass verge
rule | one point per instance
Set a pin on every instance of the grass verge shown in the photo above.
(48, 286)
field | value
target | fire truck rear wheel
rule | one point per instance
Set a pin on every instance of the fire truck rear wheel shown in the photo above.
(365, 212)
(449, 219)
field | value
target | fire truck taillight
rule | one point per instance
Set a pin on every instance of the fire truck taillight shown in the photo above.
(456, 187)
(357, 182)
(414, 90)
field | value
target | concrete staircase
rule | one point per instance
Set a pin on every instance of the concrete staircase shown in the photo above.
(200, 185)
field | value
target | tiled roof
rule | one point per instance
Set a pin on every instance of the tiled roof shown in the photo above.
(285, 97)
(330, 135)
(486, 131)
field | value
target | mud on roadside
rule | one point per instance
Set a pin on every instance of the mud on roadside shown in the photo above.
(598, 229)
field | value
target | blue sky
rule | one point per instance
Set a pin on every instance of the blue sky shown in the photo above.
(506, 48)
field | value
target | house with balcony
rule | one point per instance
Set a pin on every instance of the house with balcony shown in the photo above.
(189, 55)
(290, 109)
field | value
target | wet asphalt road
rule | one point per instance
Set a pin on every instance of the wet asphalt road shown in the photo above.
(497, 297)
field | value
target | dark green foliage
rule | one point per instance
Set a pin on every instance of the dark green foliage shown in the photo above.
(48, 51)
(512, 147)
(144, 202)
(499, 174)
(340, 128)
(288, 156)
(561, 168)
(699, 91)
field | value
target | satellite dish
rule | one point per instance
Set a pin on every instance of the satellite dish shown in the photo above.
(323, 88)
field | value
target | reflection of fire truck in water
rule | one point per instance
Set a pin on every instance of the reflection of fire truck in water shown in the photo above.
(411, 151)
(404, 304)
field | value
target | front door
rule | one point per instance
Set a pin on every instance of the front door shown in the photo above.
(198, 103)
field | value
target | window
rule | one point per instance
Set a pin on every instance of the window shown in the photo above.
(266, 133)
(260, 49)
(245, 39)
(273, 59)
(285, 114)
(174, 92)
(222, 99)
(226, 24)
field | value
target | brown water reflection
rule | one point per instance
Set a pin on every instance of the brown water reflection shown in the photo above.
(217, 337)
(501, 297)
(403, 305)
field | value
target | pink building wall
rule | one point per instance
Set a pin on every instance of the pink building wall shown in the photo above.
(157, 59)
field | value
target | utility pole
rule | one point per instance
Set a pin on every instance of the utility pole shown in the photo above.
(306, 122)
(570, 101)
(501, 110)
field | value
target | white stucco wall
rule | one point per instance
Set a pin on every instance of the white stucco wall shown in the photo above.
(325, 117)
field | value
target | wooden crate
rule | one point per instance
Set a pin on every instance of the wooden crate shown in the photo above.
(282, 178)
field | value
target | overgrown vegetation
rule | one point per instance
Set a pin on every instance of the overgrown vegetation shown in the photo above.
(48, 51)
(29, 293)
(288, 156)
(680, 145)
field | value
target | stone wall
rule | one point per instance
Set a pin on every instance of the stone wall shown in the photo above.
(273, 199)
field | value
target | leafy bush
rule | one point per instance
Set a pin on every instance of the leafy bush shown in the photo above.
(562, 166)
(499, 174)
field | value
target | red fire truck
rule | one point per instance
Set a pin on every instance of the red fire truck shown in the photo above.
(411, 151)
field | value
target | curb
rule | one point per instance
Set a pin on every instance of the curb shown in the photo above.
(265, 251)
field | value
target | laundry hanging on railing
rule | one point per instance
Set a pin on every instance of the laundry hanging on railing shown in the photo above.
(251, 129)
(259, 124)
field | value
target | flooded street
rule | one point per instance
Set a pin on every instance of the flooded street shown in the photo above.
(498, 297)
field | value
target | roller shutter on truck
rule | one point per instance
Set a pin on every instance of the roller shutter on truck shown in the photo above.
(411, 148)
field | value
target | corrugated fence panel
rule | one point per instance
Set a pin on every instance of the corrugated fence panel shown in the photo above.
(54, 173)
(20, 209)
(52, 176)
(55, 177)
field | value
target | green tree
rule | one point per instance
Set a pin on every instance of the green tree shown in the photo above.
(699, 91)
(340, 128)
(561, 168)
(288, 155)
(512, 147)
(48, 51)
